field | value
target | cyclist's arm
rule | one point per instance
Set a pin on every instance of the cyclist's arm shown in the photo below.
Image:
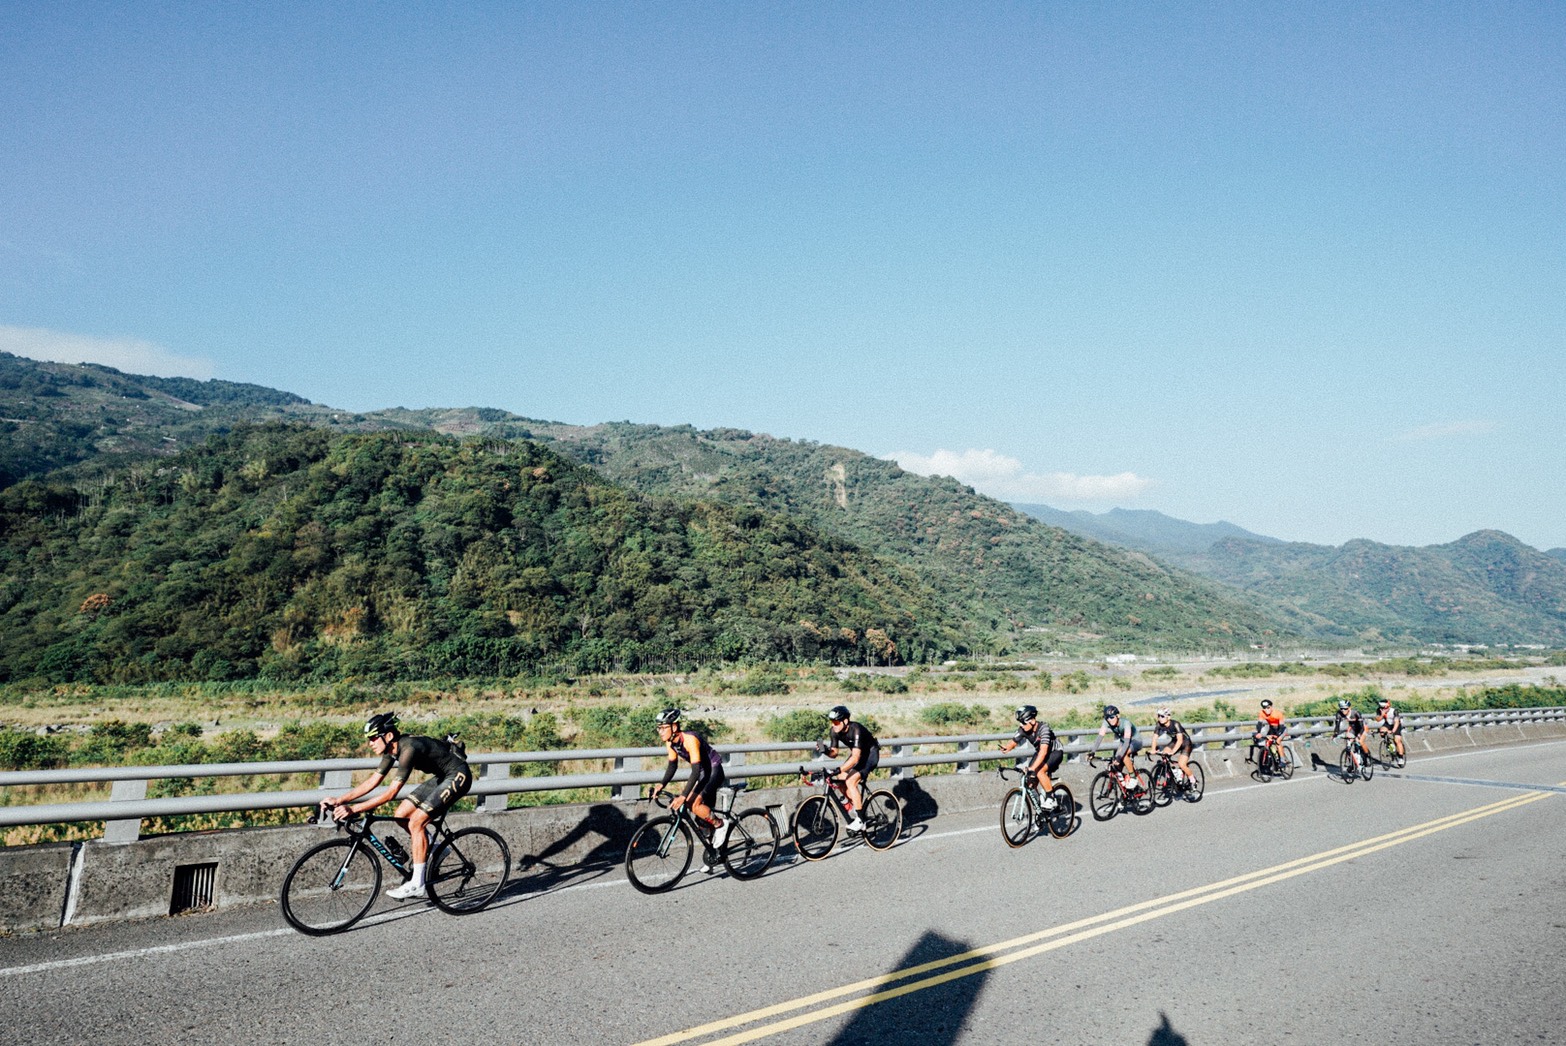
(855, 757)
(390, 793)
(668, 773)
(365, 788)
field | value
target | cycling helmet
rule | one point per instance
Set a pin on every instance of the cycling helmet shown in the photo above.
(1266, 703)
(1027, 714)
(1343, 706)
(1164, 713)
(669, 717)
(1385, 703)
(381, 723)
(1110, 711)
(839, 714)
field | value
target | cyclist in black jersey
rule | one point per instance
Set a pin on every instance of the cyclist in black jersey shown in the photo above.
(1127, 744)
(402, 755)
(1349, 722)
(864, 755)
(1048, 753)
(1178, 741)
(707, 776)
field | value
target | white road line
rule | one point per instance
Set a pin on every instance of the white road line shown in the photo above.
(139, 953)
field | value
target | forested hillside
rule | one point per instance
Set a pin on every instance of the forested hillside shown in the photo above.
(290, 552)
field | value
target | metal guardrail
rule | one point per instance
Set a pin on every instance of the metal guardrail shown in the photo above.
(128, 804)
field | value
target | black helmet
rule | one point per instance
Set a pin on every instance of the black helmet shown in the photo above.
(1110, 711)
(381, 723)
(1343, 706)
(669, 717)
(1027, 714)
(1266, 703)
(838, 714)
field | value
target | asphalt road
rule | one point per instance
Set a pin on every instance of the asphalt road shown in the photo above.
(1426, 908)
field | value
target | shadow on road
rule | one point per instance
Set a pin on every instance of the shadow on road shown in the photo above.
(1165, 1035)
(932, 1017)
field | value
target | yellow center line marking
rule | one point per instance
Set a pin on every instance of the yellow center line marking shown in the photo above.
(1061, 936)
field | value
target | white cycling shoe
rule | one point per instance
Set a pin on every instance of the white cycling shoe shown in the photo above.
(406, 892)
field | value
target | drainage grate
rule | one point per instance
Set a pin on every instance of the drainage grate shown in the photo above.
(193, 887)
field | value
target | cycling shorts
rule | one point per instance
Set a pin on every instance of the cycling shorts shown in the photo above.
(436, 795)
(871, 761)
(1125, 748)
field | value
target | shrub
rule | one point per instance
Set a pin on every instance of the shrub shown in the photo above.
(758, 682)
(24, 751)
(889, 685)
(1077, 682)
(801, 724)
(947, 714)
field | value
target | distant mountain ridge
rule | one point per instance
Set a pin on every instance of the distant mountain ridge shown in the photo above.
(1142, 529)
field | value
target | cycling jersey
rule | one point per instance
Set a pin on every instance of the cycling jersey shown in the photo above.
(1043, 740)
(1391, 720)
(1126, 741)
(1270, 722)
(1350, 719)
(1174, 733)
(706, 766)
(450, 775)
(853, 735)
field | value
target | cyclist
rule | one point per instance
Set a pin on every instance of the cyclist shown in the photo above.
(1127, 744)
(1391, 723)
(1180, 745)
(864, 755)
(1048, 753)
(1270, 732)
(707, 776)
(1348, 723)
(401, 755)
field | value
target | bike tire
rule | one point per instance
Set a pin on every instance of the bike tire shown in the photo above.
(1198, 782)
(1263, 771)
(1062, 820)
(469, 868)
(330, 887)
(1285, 768)
(883, 818)
(1367, 767)
(1016, 818)
(1395, 761)
(649, 865)
(815, 828)
(1104, 796)
(751, 845)
(1163, 785)
(1346, 767)
(1142, 799)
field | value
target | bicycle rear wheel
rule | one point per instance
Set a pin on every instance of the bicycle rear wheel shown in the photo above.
(659, 855)
(751, 845)
(1062, 820)
(330, 887)
(1104, 796)
(1142, 798)
(1197, 783)
(468, 870)
(883, 818)
(1016, 818)
(815, 828)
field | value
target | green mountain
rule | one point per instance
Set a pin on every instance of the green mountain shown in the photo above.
(1487, 587)
(291, 552)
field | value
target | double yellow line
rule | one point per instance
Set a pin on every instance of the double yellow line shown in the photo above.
(821, 1006)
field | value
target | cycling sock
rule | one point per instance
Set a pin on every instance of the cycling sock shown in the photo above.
(418, 875)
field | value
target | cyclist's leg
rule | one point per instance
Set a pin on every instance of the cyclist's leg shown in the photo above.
(852, 786)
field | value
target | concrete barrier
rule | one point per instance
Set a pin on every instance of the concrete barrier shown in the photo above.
(80, 884)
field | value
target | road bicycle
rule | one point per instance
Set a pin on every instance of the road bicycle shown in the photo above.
(1390, 756)
(1273, 759)
(1354, 763)
(334, 883)
(661, 849)
(1169, 784)
(1026, 809)
(820, 817)
(1111, 792)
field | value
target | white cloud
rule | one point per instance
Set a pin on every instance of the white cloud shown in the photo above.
(1005, 478)
(127, 354)
(1447, 429)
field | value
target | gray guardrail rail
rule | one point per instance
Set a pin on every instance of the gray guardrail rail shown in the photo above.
(123, 811)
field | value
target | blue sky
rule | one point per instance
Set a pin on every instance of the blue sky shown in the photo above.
(1300, 267)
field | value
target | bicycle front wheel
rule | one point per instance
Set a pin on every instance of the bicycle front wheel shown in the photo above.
(468, 870)
(1104, 796)
(659, 855)
(1142, 798)
(883, 818)
(815, 828)
(1397, 760)
(1285, 765)
(1062, 820)
(1346, 769)
(1163, 785)
(1016, 818)
(751, 845)
(330, 887)
(1367, 766)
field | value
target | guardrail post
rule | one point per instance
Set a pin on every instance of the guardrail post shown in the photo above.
(492, 804)
(969, 766)
(899, 772)
(129, 829)
(732, 761)
(336, 780)
(624, 793)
